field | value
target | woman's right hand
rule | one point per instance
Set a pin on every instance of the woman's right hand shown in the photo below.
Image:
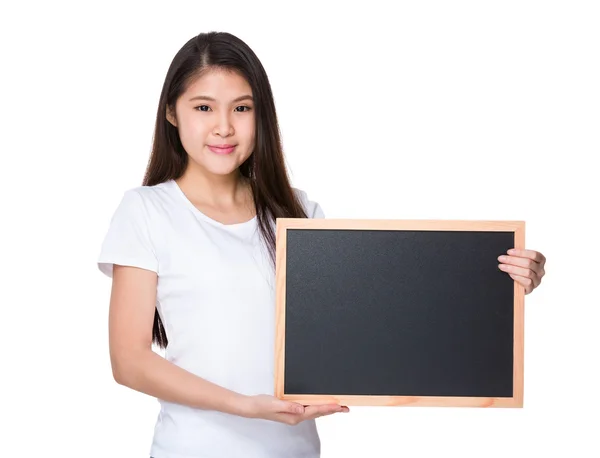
(271, 408)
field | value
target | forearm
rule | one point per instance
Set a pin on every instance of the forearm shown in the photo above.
(149, 373)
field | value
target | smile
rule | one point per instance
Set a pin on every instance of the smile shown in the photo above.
(220, 150)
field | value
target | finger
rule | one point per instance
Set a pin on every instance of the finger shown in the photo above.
(533, 255)
(290, 407)
(324, 414)
(520, 262)
(521, 271)
(526, 263)
(323, 409)
(527, 283)
(341, 409)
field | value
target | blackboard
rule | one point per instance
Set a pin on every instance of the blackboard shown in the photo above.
(398, 312)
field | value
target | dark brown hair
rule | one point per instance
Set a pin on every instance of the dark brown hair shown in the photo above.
(273, 194)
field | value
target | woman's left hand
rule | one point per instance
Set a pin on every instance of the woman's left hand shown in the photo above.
(524, 266)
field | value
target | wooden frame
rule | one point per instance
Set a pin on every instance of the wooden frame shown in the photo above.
(283, 224)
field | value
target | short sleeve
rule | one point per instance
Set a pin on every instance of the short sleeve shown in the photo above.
(313, 209)
(128, 241)
(317, 211)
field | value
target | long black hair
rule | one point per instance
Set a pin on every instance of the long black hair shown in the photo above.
(265, 168)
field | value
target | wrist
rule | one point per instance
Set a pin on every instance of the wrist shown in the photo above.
(239, 405)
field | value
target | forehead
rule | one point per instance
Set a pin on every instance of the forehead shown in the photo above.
(221, 84)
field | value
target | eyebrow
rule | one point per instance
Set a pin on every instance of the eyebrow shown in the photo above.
(205, 97)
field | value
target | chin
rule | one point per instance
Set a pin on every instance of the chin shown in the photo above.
(221, 170)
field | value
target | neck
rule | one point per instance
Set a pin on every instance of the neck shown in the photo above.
(218, 191)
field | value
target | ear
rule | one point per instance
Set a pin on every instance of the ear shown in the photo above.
(171, 117)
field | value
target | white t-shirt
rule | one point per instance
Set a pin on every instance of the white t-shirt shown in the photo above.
(216, 299)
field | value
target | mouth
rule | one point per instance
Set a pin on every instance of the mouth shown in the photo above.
(221, 149)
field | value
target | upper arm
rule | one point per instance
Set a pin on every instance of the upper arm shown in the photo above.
(131, 314)
(313, 208)
(128, 255)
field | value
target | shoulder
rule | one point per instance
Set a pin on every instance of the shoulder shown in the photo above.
(148, 193)
(312, 207)
(143, 207)
(300, 193)
(147, 199)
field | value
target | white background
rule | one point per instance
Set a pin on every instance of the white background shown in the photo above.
(432, 110)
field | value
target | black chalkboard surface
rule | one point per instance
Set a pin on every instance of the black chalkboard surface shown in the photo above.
(398, 312)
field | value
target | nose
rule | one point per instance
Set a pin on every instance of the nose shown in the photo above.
(223, 127)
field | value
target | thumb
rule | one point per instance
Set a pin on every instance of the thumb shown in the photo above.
(291, 407)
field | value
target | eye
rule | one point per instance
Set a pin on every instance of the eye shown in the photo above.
(203, 106)
(244, 106)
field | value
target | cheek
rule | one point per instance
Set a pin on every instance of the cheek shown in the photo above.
(192, 133)
(247, 129)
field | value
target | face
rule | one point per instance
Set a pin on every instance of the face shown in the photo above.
(216, 110)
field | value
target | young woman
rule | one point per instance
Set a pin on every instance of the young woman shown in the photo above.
(191, 254)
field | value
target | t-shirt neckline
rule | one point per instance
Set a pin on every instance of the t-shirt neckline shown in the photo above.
(205, 217)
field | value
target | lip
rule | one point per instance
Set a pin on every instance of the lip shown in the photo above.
(221, 149)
